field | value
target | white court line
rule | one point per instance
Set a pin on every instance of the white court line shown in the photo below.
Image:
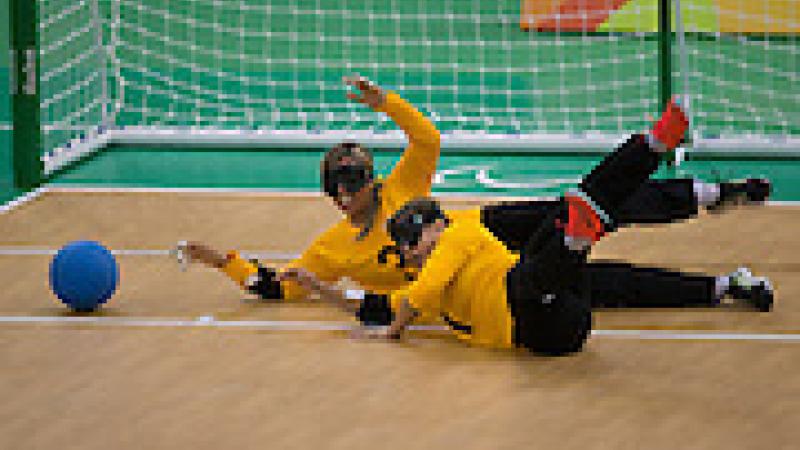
(30, 251)
(22, 199)
(280, 192)
(269, 192)
(696, 335)
(265, 192)
(273, 192)
(783, 203)
(289, 325)
(247, 254)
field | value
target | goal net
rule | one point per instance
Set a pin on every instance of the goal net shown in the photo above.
(504, 74)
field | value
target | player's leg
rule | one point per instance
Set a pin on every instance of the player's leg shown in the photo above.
(551, 323)
(546, 288)
(670, 200)
(514, 223)
(621, 285)
(748, 191)
(545, 291)
(654, 202)
(549, 261)
(593, 208)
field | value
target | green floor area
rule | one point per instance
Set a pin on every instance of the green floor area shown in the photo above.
(518, 174)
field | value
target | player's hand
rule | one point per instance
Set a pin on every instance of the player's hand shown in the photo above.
(369, 93)
(301, 276)
(198, 252)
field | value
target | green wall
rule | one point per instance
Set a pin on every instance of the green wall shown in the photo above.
(6, 172)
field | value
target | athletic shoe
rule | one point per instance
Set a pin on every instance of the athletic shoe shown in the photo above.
(757, 291)
(746, 192)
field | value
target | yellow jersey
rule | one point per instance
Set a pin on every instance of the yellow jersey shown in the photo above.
(463, 283)
(339, 252)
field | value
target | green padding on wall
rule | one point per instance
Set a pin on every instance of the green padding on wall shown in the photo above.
(642, 15)
(6, 174)
(513, 174)
(5, 99)
(5, 37)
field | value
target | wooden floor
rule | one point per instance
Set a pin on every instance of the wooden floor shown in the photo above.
(67, 385)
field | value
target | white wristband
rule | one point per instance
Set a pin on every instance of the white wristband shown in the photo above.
(355, 294)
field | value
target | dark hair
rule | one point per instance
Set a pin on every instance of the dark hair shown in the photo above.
(406, 225)
(352, 177)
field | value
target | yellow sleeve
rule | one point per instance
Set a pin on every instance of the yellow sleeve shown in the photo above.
(396, 297)
(238, 269)
(313, 260)
(450, 254)
(414, 172)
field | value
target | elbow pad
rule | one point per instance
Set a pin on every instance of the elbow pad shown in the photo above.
(375, 310)
(265, 285)
(253, 277)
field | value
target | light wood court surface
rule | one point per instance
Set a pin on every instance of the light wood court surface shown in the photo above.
(67, 385)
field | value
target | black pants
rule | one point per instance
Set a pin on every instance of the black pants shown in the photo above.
(655, 201)
(617, 284)
(614, 284)
(549, 290)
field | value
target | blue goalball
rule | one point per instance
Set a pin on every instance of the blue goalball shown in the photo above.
(84, 275)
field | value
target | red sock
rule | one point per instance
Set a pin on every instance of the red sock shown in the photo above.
(670, 129)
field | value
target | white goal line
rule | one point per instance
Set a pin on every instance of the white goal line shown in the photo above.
(291, 325)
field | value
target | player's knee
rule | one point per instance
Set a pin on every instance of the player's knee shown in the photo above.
(556, 325)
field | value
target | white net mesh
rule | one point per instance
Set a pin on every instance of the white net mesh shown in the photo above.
(225, 68)
(466, 62)
(740, 69)
(73, 77)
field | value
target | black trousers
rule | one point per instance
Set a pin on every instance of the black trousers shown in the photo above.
(655, 201)
(612, 284)
(550, 289)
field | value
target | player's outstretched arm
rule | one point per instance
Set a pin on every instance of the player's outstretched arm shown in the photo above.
(327, 292)
(249, 275)
(402, 319)
(368, 93)
(415, 170)
(201, 253)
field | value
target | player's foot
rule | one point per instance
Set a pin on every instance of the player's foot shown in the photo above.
(671, 127)
(756, 291)
(747, 192)
(181, 253)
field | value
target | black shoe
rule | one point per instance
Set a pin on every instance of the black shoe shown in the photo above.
(756, 291)
(747, 192)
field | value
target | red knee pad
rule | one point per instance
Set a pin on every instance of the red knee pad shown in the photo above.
(584, 223)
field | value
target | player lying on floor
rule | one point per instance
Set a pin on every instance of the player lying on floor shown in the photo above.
(351, 247)
(537, 299)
